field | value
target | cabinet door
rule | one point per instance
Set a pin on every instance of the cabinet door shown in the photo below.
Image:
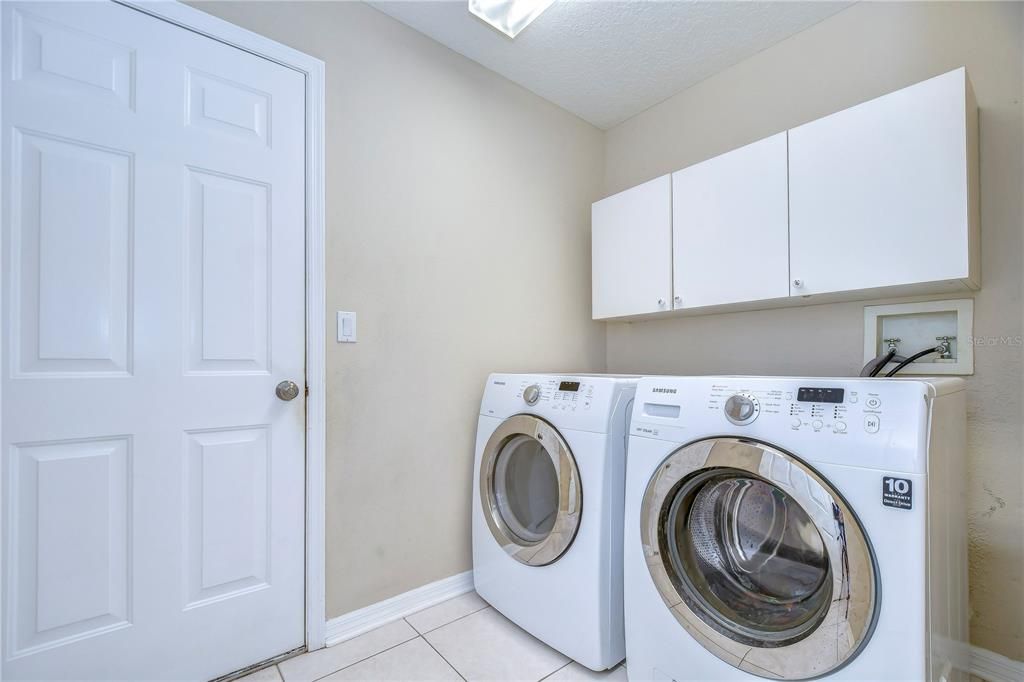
(730, 227)
(879, 192)
(632, 251)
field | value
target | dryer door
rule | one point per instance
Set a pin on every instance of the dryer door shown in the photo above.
(530, 490)
(759, 558)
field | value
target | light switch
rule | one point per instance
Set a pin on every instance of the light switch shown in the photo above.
(346, 327)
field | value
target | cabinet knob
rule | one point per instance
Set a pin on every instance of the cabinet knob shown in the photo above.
(797, 283)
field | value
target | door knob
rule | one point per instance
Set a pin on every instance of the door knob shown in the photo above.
(287, 390)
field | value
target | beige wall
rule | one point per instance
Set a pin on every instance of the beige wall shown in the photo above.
(458, 220)
(458, 228)
(860, 53)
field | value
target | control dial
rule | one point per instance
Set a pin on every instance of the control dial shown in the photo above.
(742, 408)
(531, 394)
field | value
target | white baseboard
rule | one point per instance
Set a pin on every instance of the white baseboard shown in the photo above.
(383, 612)
(994, 667)
(985, 664)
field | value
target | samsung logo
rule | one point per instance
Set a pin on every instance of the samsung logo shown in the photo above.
(663, 390)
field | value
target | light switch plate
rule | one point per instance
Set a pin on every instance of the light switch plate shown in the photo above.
(346, 327)
(917, 325)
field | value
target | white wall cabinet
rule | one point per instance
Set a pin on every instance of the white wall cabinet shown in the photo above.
(730, 232)
(881, 199)
(632, 251)
(881, 193)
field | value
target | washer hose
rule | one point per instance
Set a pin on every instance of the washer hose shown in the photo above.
(941, 348)
(876, 364)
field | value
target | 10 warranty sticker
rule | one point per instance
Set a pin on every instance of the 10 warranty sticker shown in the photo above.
(897, 492)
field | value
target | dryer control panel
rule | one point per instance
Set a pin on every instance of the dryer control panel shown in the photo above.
(566, 395)
(575, 401)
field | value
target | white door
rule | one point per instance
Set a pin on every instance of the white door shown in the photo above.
(730, 227)
(880, 194)
(632, 251)
(153, 298)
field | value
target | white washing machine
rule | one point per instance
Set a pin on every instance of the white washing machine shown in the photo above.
(791, 528)
(547, 508)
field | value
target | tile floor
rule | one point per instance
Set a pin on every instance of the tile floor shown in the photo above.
(460, 639)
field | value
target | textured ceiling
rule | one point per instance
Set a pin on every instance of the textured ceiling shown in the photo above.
(607, 60)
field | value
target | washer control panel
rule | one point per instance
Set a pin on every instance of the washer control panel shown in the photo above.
(836, 410)
(875, 423)
(742, 408)
(818, 409)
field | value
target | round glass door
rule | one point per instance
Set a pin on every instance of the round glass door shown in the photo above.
(530, 490)
(751, 560)
(526, 489)
(759, 558)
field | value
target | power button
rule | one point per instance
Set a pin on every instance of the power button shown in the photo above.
(872, 423)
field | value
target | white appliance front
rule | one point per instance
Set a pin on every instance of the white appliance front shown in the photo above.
(153, 299)
(847, 578)
(563, 584)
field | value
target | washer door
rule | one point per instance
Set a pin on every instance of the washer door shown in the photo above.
(530, 490)
(759, 558)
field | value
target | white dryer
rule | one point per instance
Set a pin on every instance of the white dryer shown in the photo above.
(547, 508)
(791, 528)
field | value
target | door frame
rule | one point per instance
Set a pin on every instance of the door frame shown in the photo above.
(313, 70)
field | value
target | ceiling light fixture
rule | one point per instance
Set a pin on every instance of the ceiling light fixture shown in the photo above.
(508, 16)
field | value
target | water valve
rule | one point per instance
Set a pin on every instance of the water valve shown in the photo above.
(945, 347)
(893, 343)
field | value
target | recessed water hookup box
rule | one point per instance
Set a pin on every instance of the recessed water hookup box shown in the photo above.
(912, 327)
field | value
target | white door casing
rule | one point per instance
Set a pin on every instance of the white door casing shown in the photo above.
(153, 298)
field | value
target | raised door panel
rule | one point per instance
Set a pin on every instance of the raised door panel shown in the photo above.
(72, 233)
(229, 274)
(879, 193)
(227, 477)
(70, 575)
(730, 227)
(632, 251)
(227, 108)
(65, 59)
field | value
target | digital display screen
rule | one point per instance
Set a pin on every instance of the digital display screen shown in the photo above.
(821, 395)
(571, 386)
